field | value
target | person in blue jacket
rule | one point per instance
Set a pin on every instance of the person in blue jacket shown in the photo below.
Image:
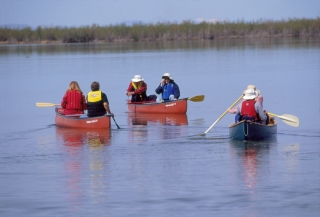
(168, 89)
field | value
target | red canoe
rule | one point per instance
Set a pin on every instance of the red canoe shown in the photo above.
(172, 107)
(73, 121)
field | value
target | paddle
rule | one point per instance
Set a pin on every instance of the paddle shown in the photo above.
(46, 104)
(221, 116)
(198, 98)
(288, 119)
(115, 122)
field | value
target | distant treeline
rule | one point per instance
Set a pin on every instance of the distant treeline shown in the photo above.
(186, 30)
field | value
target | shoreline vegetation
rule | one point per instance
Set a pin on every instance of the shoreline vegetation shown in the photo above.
(187, 30)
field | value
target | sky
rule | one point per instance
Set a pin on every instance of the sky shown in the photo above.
(76, 13)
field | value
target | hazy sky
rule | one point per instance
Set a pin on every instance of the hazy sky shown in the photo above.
(105, 12)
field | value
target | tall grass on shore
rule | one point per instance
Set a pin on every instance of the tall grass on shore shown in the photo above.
(187, 30)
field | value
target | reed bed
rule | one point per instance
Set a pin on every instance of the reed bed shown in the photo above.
(186, 30)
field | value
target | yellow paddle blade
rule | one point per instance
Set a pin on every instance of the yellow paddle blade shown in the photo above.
(199, 98)
(288, 119)
(46, 104)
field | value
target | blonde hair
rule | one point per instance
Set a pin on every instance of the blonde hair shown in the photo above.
(74, 86)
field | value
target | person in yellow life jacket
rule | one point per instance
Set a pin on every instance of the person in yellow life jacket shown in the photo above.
(137, 89)
(250, 109)
(97, 101)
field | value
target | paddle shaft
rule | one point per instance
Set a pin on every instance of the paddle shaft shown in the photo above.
(223, 114)
(46, 104)
(282, 117)
(115, 122)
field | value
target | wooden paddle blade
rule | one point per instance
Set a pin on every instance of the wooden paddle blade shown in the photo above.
(46, 104)
(199, 98)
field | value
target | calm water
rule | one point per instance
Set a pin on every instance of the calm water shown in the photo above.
(159, 166)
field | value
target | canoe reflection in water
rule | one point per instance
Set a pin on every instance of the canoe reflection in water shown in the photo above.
(251, 154)
(172, 126)
(80, 157)
(79, 137)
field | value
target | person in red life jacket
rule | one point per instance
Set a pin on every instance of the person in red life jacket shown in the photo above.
(73, 101)
(250, 109)
(168, 89)
(137, 89)
(97, 101)
(259, 98)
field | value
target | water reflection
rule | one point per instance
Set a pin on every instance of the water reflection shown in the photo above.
(171, 126)
(292, 160)
(81, 158)
(131, 47)
(252, 156)
(157, 119)
(78, 137)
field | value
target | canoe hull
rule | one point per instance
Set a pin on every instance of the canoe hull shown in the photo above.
(247, 130)
(172, 107)
(101, 122)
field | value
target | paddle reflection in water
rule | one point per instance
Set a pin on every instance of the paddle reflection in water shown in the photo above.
(171, 126)
(87, 152)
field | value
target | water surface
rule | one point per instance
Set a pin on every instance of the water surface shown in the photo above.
(159, 165)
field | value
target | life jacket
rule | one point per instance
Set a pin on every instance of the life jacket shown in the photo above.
(248, 111)
(74, 100)
(167, 91)
(95, 104)
(140, 97)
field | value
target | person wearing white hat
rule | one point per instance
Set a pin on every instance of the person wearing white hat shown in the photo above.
(250, 109)
(259, 98)
(137, 89)
(168, 89)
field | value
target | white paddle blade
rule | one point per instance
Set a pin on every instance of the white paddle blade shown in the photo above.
(46, 104)
(290, 120)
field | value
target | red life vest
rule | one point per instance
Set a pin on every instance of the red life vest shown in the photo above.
(249, 110)
(74, 100)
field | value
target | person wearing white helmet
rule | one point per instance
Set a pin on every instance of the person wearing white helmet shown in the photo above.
(250, 109)
(168, 89)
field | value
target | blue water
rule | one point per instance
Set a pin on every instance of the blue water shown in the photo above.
(160, 166)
